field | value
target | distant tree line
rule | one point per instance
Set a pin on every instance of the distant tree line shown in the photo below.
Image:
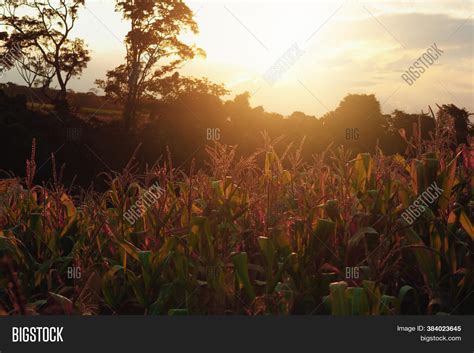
(196, 116)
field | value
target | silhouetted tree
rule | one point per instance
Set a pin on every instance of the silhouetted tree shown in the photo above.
(401, 120)
(357, 122)
(43, 30)
(154, 51)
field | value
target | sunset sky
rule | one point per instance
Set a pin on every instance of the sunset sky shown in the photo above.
(349, 47)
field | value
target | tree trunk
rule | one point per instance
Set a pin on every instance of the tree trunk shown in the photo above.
(61, 105)
(129, 111)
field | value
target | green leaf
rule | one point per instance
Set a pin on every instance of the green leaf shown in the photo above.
(268, 250)
(389, 305)
(417, 173)
(324, 229)
(339, 300)
(269, 159)
(178, 312)
(428, 261)
(66, 304)
(466, 224)
(129, 248)
(404, 292)
(70, 227)
(373, 294)
(332, 209)
(362, 171)
(360, 235)
(431, 170)
(446, 179)
(240, 261)
(358, 301)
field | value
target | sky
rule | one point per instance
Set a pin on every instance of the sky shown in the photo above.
(325, 50)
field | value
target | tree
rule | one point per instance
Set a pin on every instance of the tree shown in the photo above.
(357, 122)
(175, 86)
(154, 51)
(401, 120)
(43, 32)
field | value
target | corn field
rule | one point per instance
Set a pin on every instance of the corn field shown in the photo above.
(266, 234)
